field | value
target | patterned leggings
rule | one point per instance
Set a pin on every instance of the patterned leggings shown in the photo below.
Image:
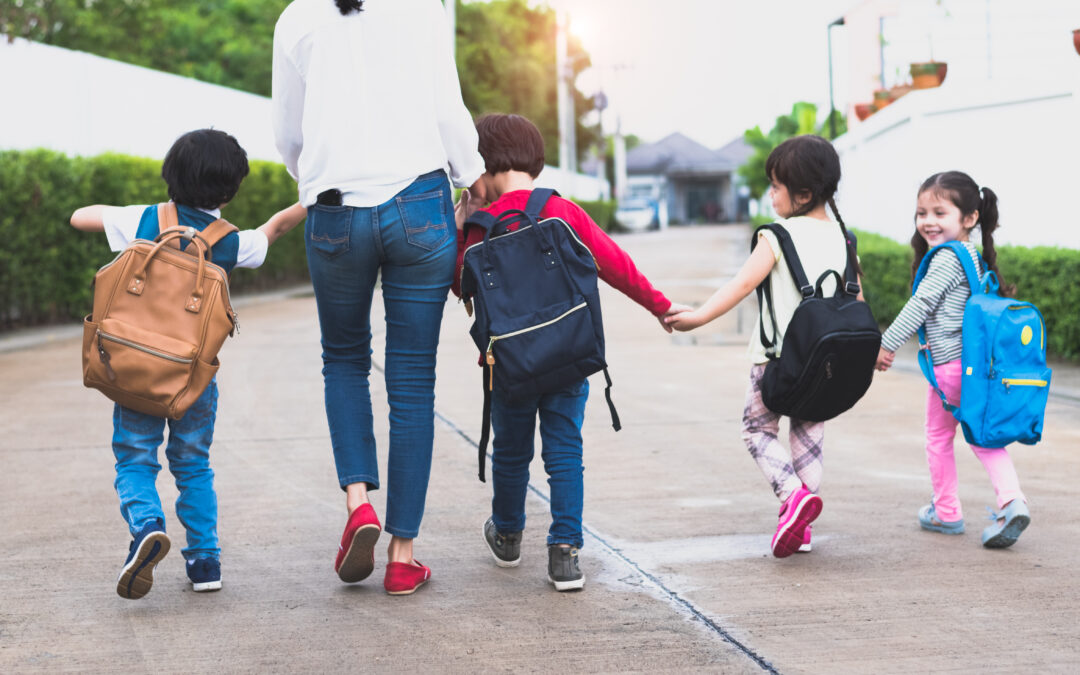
(785, 471)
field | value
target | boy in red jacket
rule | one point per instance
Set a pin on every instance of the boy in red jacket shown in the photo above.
(513, 152)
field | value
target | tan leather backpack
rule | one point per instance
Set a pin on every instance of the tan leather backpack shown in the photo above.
(160, 317)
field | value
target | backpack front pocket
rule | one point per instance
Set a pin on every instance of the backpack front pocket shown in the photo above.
(544, 351)
(1015, 405)
(143, 364)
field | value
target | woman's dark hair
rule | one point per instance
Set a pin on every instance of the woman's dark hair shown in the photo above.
(510, 142)
(347, 7)
(808, 165)
(960, 189)
(204, 168)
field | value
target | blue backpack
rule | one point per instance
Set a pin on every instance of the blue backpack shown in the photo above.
(537, 305)
(1005, 380)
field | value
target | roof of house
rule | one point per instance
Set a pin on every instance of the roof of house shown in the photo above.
(677, 153)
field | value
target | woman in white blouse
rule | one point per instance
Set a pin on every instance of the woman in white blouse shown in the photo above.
(369, 119)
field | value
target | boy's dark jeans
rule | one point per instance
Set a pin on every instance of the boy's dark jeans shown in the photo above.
(514, 427)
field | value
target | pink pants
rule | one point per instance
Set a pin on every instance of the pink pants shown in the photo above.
(940, 433)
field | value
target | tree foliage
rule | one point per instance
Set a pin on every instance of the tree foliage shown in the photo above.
(506, 61)
(505, 49)
(801, 120)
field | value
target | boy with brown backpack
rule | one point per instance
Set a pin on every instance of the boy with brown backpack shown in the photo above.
(132, 352)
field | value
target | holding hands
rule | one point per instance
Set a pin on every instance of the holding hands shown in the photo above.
(884, 359)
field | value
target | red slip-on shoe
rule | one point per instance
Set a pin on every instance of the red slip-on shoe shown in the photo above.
(356, 553)
(404, 579)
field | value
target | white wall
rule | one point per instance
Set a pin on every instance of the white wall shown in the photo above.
(81, 104)
(1020, 139)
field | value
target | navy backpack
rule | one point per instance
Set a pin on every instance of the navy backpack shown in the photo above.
(1005, 381)
(537, 306)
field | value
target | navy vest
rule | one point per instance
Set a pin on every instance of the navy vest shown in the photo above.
(224, 252)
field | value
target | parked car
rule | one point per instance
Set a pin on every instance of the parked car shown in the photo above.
(637, 214)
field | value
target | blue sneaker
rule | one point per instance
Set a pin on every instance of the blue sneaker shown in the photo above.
(147, 549)
(205, 574)
(1008, 524)
(928, 520)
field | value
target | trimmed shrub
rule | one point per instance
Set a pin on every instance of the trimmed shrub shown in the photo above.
(602, 212)
(46, 266)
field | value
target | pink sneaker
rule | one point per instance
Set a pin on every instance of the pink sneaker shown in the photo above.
(805, 546)
(800, 509)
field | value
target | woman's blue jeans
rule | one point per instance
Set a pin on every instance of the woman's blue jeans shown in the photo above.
(514, 425)
(136, 438)
(411, 239)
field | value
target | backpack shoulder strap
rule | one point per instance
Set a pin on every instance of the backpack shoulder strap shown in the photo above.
(537, 200)
(216, 231)
(791, 256)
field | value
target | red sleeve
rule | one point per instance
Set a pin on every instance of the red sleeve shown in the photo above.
(616, 267)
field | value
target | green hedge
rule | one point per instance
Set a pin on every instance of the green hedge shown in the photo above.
(46, 266)
(602, 212)
(1044, 276)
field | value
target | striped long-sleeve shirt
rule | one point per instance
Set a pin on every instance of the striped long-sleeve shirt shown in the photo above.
(938, 303)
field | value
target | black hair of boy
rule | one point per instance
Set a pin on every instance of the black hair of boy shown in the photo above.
(510, 143)
(204, 168)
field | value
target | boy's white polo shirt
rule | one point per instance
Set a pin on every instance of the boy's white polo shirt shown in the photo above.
(122, 222)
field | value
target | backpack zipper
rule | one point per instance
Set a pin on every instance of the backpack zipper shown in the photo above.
(136, 346)
(1017, 381)
(490, 356)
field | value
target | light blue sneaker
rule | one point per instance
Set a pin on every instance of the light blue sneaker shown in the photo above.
(928, 520)
(1008, 524)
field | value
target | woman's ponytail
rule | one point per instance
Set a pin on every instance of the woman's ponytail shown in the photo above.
(347, 7)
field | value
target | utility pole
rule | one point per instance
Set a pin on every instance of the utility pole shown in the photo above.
(564, 75)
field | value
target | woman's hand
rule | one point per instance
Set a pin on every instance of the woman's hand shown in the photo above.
(466, 206)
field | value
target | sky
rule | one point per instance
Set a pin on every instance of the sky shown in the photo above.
(707, 68)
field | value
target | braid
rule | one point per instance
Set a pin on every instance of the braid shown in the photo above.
(847, 237)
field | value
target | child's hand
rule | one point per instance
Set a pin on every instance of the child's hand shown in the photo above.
(283, 221)
(884, 359)
(674, 309)
(685, 320)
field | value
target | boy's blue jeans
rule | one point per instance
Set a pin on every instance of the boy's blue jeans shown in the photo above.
(514, 425)
(411, 239)
(136, 438)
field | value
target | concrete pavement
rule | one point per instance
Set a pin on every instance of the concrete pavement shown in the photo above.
(679, 576)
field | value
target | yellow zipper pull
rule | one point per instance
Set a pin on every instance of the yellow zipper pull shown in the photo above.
(490, 359)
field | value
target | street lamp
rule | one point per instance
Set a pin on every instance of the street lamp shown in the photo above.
(832, 105)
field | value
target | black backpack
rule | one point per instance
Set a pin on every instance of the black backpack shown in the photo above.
(537, 306)
(830, 347)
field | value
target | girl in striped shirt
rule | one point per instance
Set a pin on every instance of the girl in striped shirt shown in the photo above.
(950, 206)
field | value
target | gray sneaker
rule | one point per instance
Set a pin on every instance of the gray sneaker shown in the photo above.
(505, 548)
(563, 570)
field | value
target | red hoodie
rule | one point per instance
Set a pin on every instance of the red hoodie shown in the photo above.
(615, 265)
